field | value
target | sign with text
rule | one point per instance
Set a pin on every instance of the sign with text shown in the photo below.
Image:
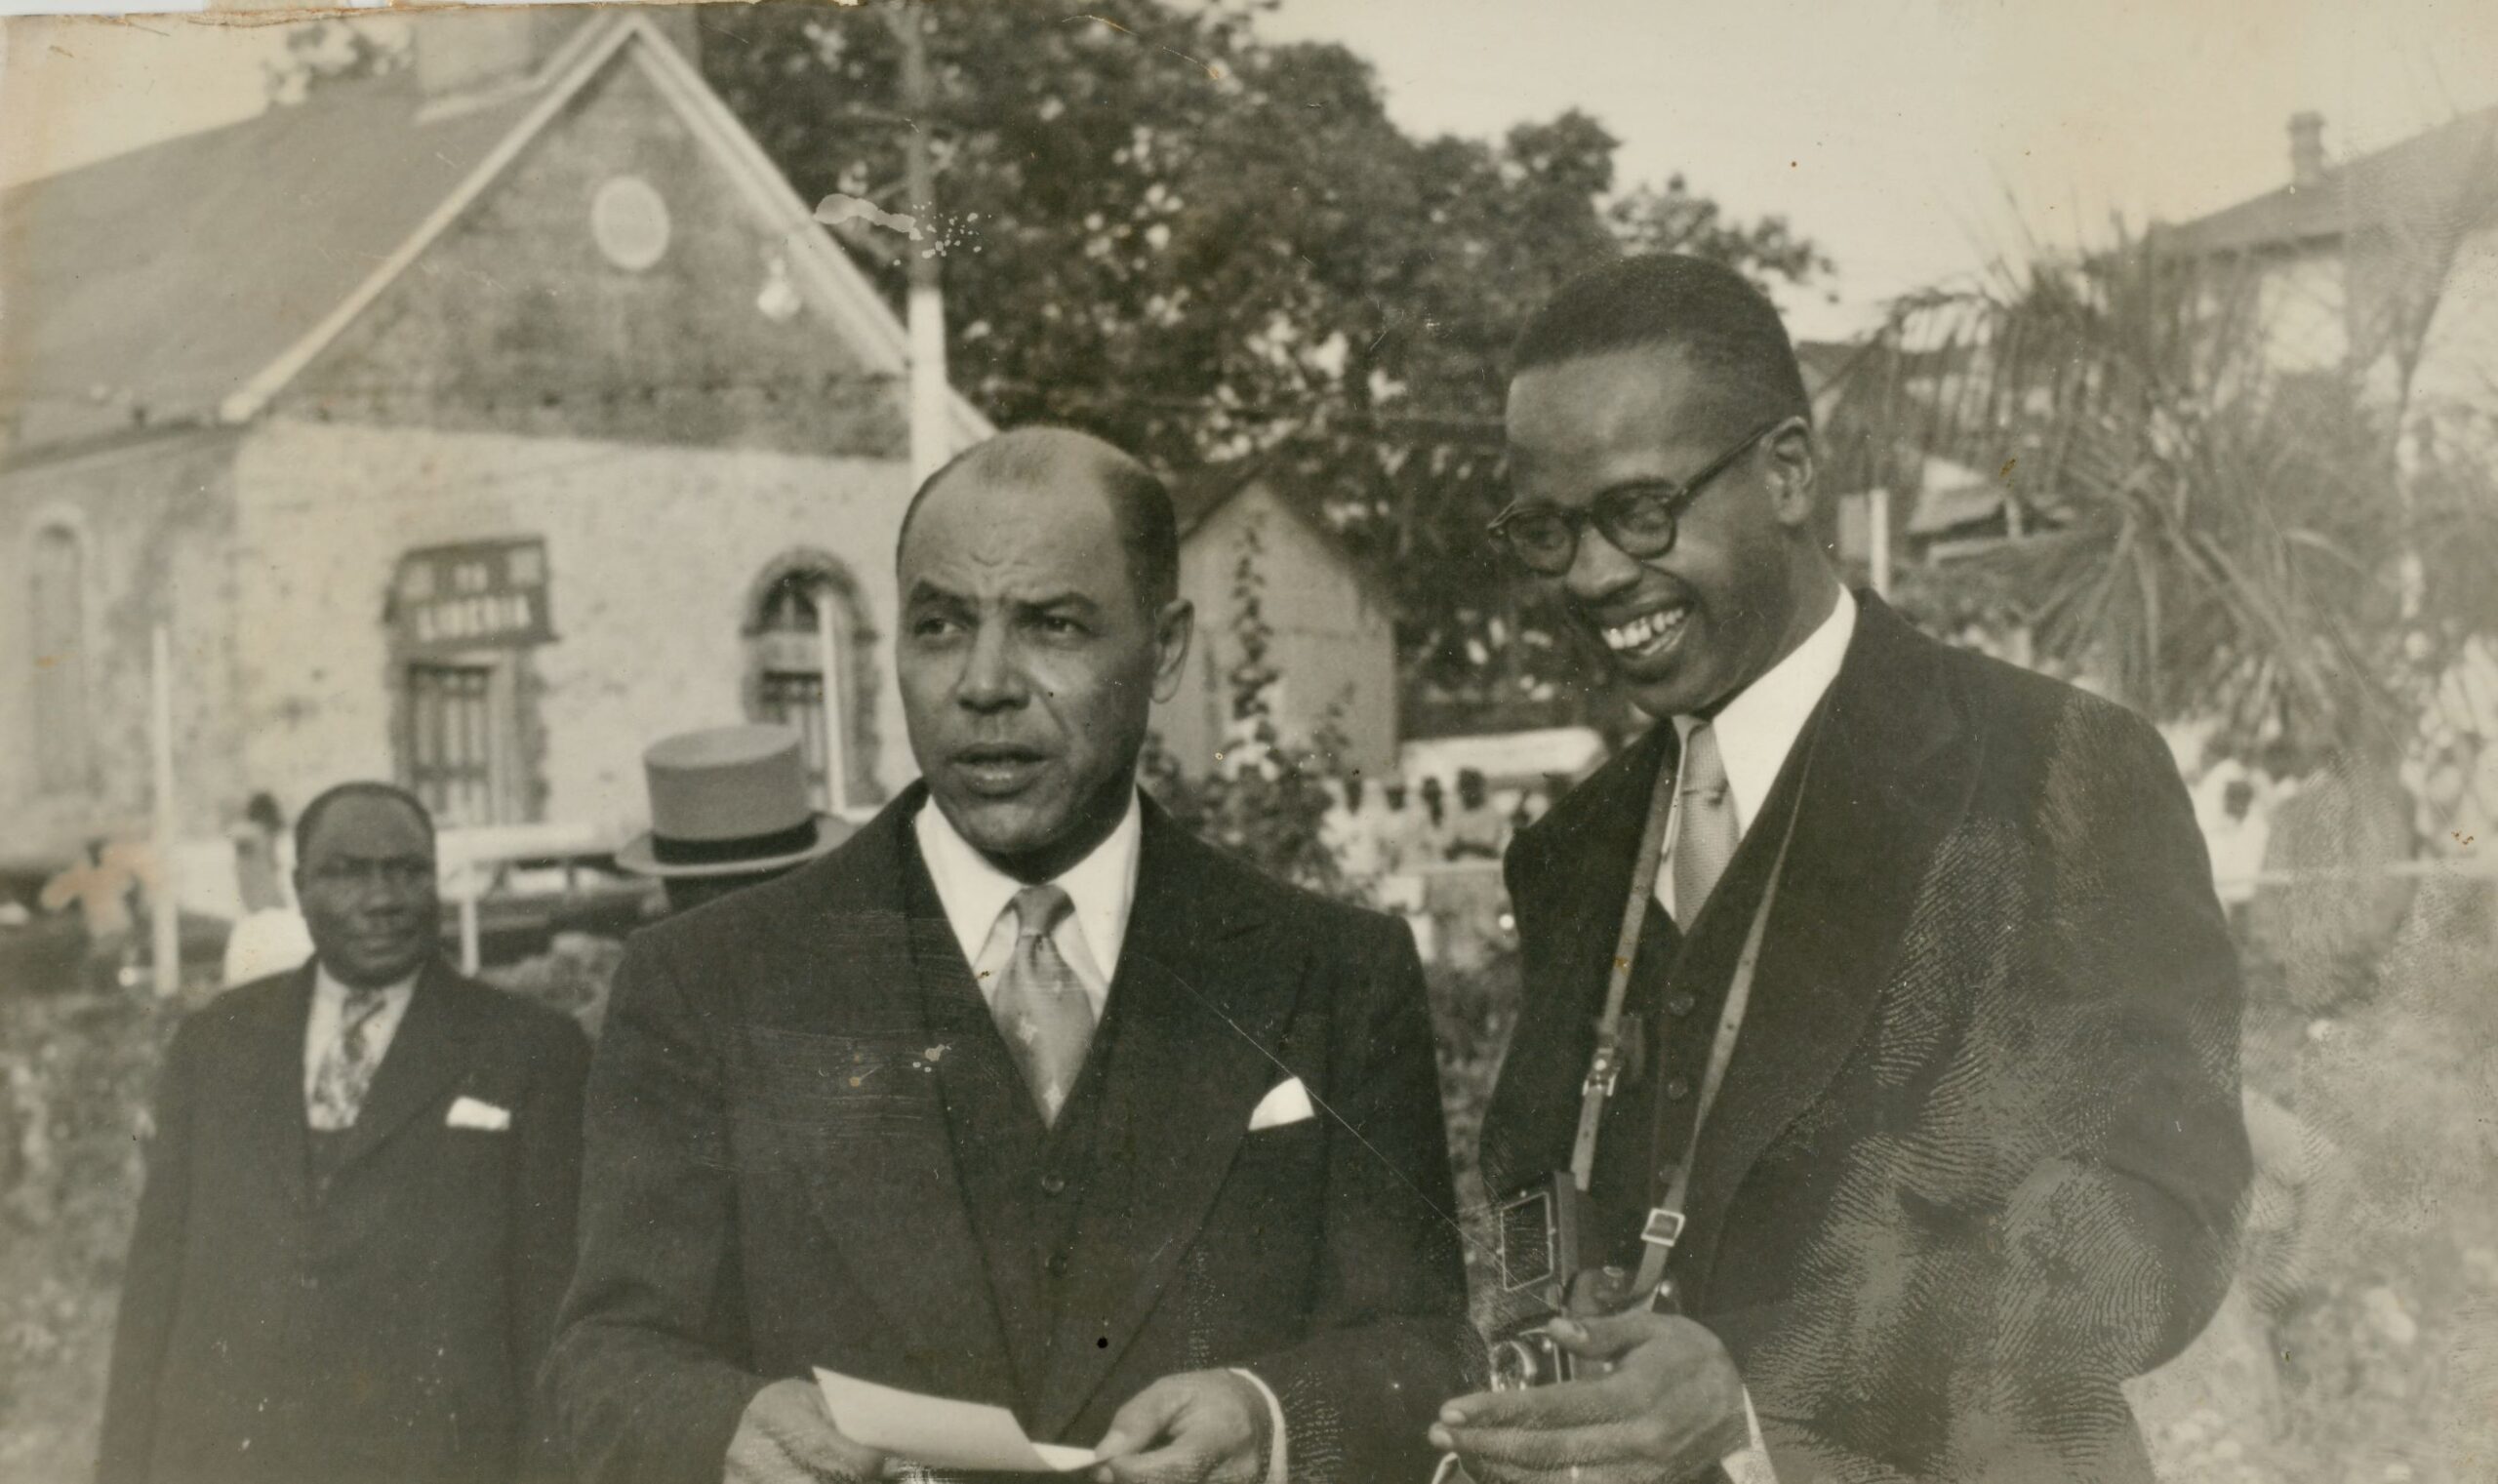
(472, 595)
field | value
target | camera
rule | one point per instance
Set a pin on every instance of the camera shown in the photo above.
(1537, 1241)
(1530, 1357)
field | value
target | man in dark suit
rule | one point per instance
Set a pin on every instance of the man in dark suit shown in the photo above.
(1021, 1096)
(358, 1216)
(1967, 1152)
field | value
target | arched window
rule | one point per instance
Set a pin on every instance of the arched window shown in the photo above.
(805, 623)
(64, 748)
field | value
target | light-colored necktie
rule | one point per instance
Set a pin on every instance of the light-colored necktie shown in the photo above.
(1041, 1008)
(347, 1066)
(1705, 841)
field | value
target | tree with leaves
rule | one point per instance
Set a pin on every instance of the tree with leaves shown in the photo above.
(1165, 229)
(2205, 535)
(1266, 798)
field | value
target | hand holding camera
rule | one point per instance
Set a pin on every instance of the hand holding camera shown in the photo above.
(1655, 1399)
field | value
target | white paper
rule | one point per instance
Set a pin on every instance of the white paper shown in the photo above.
(939, 1432)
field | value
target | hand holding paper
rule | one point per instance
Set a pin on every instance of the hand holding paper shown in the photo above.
(786, 1434)
(939, 1432)
(1211, 1426)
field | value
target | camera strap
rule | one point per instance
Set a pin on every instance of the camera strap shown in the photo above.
(1604, 1068)
(1671, 1189)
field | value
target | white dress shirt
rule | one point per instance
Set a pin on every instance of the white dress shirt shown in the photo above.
(329, 1006)
(978, 901)
(977, 898)
(1757, 729)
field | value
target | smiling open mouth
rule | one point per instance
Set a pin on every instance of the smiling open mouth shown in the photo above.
(1651, 633)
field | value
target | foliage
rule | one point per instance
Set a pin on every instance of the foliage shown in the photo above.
(77, 1072)
(1268, 799)
(2202, 532)
(1197, 243)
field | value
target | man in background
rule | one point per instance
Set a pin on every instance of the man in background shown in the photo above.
(1478, 827)
(1351, 831)
(728, 810)
(358, 1214)
(102, 885)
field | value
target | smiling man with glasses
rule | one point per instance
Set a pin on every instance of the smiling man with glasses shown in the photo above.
(1879, 1022)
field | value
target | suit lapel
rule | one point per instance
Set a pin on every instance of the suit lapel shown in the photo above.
(887, 1189)
(1572, 872)
(1203, 993)
(1603, 847)
(985, 1101)
(1891, 772)
(431, 1050)
(271, 1089)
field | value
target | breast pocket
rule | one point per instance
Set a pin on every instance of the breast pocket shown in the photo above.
(1282, 1158)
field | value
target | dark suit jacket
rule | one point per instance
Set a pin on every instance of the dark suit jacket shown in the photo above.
(383, 1324)
(773, 1180)
(1978, 1157)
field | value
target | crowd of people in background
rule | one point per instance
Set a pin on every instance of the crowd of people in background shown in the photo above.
(1400, 825)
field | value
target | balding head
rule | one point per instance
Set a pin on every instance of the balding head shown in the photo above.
(1029, 658)
(1052, 458)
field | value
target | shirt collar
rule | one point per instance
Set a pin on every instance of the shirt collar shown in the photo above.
(329, 988)
(329, 1009)
(973, 891)
(1757, 729)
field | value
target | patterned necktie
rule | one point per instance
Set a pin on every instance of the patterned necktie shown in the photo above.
(346, 1068)
(1041, 1009)
(1706, 839)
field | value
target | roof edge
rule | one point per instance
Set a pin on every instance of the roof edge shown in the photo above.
(872, 322)
(863, 313)
(255, 395)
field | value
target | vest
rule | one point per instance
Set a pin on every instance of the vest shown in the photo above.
(1678, 986)
(1024, 1181)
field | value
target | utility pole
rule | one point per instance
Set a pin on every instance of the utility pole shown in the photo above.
(930, 396)
(164, 908)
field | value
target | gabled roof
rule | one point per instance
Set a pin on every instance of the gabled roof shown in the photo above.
(2451, 166)
(162, 280)
(189, 281)
(1198, 495)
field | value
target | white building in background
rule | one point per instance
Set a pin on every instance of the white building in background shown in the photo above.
(473, 425)
(2384, 263)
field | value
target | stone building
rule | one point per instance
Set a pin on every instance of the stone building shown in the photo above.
(1333, 642)
(473, 425)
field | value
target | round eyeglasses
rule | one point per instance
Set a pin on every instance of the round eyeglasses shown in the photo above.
(1641, 520)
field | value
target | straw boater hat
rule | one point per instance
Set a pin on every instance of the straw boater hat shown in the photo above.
(727, 801)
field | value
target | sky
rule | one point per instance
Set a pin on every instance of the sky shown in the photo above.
(1917, 142)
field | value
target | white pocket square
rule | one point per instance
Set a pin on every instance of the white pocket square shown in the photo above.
(1287, 1101)
(471, 1114)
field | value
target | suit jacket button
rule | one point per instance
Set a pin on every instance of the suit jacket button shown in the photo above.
(1681, 1004)
(1678, 1089)
(1057, 1264)
(1053, 1185)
